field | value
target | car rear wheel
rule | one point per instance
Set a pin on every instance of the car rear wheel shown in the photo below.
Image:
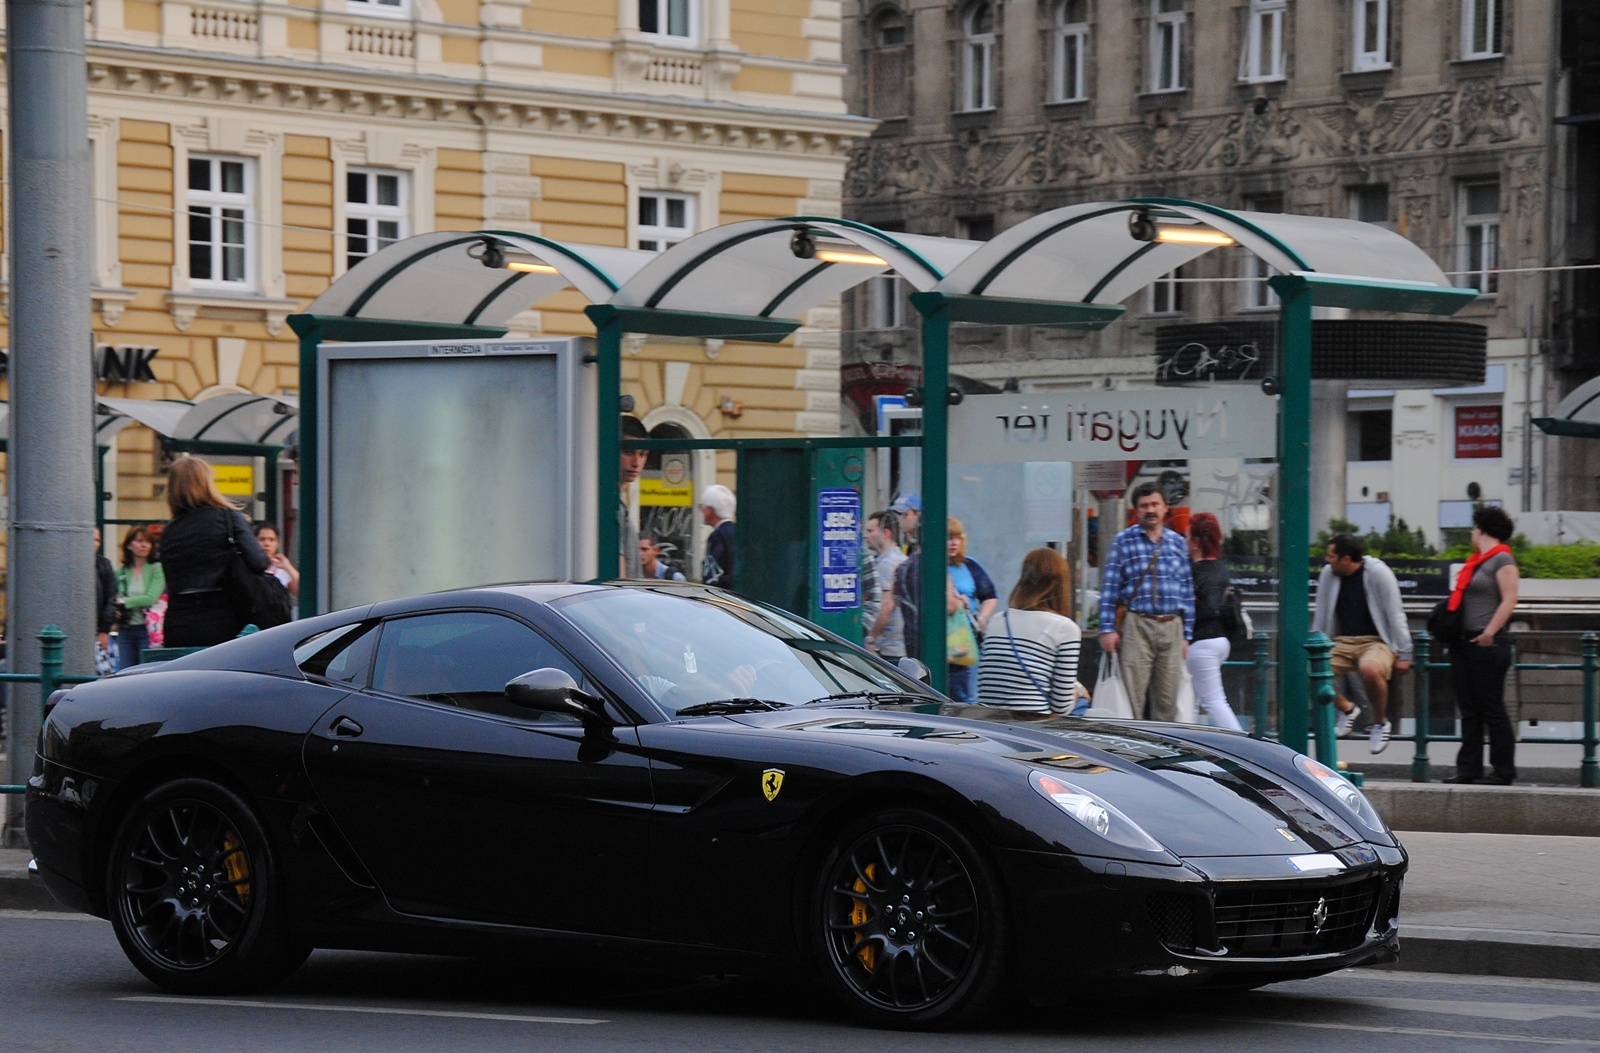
(194, 897)
(909, 924)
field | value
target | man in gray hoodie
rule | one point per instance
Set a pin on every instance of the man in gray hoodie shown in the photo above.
(1358, 605)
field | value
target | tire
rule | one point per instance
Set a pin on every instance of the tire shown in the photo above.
(883, 875)
(193, 893)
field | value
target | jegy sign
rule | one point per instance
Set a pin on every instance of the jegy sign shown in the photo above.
(1148, 424)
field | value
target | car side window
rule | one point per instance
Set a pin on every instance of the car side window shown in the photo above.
(465, 658)
(343, 655)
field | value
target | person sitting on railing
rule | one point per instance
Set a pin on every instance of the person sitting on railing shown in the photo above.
(1358, 605)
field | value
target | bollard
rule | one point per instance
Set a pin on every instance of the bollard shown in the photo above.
(51, 639)
(1421, 763)
(1589, 771)
(1320, 651)
(1263, 674)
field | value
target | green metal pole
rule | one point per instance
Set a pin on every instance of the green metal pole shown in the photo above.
(1319, 655)
(935, 485)
(1263, 671)
(1421, 762)
(1294, 510)
(1589, 770)
(51, 641)
(608, 449)
(306, 526)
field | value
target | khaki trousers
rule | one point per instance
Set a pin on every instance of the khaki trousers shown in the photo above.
(1152, 657)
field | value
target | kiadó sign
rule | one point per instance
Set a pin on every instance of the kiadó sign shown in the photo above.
(1149, 424)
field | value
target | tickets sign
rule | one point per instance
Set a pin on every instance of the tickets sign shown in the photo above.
(838, 549)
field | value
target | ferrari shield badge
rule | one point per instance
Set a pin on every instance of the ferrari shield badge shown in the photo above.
(772, 782)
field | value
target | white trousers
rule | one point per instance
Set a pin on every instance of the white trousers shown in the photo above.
(1205, 667)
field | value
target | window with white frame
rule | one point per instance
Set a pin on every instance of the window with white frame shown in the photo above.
(1166, 44)
(392, 8)
(664, 220)
(374, 210)
(1166, 293)
(1480, 28)
(1369, 34)
(672, 20)
(1263, 42)
(1258, 295)
(977, 57)
(1370, 203)
(1069, 75)
(222, 235)
(1479, 237)
(886, 300)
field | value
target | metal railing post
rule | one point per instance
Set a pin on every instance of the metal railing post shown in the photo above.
(1263, 674)
(1421, 762)
(1589, 770)
(1319, 652)
(51, 642)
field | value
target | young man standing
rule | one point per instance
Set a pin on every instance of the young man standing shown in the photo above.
(1147, 577)
(632, 467)
(716, 509)
(652, 564)
(886, 633)
(1358, 605)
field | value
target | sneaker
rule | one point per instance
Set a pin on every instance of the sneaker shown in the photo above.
(1346, 721)
(1379, 739)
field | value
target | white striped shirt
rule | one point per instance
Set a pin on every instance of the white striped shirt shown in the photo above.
(1048, 644)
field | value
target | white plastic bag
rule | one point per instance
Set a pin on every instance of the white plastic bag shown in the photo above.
(1188, 709)
(1110, 694)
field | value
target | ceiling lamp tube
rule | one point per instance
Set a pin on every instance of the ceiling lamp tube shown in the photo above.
(496, 256)
(839, 256)
(1187, 235)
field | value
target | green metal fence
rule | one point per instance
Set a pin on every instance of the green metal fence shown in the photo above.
(50, 678)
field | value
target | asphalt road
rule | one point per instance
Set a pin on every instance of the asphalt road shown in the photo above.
(67, 988)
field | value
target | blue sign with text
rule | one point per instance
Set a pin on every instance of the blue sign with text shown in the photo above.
(839, 549)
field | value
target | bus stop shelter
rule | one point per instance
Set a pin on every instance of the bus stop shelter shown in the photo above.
(755, 280)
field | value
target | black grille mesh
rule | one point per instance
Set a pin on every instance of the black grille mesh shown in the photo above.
(1282, 921)
(1172, 914)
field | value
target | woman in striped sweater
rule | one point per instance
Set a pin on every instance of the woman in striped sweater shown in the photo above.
(1029, 659)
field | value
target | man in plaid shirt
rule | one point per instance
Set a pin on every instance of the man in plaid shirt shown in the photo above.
(1147, 574)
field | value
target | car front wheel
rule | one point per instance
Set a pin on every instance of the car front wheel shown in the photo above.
(909, 923)
(193, 894)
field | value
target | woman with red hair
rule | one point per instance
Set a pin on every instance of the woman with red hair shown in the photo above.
(1213, 615)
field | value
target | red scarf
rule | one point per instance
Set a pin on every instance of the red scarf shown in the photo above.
(1465, 577)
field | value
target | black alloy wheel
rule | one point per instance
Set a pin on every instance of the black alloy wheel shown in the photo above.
(193, 893)
(910, 924)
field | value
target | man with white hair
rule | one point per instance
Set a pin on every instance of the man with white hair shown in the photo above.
(716, 508)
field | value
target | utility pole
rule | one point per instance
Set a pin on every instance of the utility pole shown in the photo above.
(49, 557)
(1527, 412)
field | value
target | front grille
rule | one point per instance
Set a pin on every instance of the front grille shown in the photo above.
(1283, 920)
(1172, 913)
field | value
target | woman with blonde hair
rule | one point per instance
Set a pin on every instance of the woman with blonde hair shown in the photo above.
(196, 549)
(1029, 659)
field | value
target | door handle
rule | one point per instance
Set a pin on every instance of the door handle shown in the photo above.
(346, 728)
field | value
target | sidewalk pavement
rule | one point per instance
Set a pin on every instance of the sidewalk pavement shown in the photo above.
(1538, 763)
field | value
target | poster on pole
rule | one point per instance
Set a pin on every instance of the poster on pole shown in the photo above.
(838, 549)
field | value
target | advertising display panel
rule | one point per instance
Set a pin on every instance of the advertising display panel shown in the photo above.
(1477, 432)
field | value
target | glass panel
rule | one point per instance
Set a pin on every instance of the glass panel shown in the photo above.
(1480, 26)
(650, 245)
(647, 211)
(355, 188)
(388, 190)
(1370, 39)
(388, 232)
(200, 243)
(232, 177)
(358, 231)
(1483, 199)
(1072, 67)
(464, 658)
(982, 20)
(675, 212)
(891, 29)
(1170, 6)
(649, 16)
(1074, 11)
(199, 174)
(342, 654)
(678, 18)
(1169, 48)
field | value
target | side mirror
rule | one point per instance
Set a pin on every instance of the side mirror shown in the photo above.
(914, 669)
(552, 690)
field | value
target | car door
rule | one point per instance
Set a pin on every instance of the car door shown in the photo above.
(463, 806)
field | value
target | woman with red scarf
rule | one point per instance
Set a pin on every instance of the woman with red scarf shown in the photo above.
(1485, 594)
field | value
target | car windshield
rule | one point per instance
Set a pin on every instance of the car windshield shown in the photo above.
(690, 650)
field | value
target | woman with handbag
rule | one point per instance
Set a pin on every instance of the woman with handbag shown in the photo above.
(1030, 654)
(1484, 597)
(198, 549)
(1215, 620)
(140, 583)
(978, 601)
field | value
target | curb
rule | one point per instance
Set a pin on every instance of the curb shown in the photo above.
(19, 892)
(1435, 807)
(1498, 952)
(1396, 771)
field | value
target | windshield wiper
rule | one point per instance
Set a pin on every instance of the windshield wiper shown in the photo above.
(870, 696)
(729, 705)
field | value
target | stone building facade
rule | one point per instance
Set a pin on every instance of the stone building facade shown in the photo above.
(1440, 119)
(245, 154)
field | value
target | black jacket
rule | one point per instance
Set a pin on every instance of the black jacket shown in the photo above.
(195, 548)
(1211, 606)
(105, 594)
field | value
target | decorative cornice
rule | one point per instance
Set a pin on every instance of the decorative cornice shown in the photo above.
(270, 311)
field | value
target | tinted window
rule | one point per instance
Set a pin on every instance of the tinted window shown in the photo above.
(464, 658)
(343, 654)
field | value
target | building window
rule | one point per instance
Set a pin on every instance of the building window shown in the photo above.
(886, 302)
(888, 65)
(664, 220)
(1369, 437)
(1479, 237)
(1370, 35)
(1370, 204)
(392, 8)
(1166, 293)
(375, 211)
(1258, 295)
(1166, 45)
(977, 58)
(221, 215)
(975, 228)
(1263, 46)
(1069, 77)
(671, 19)
(1480, 28)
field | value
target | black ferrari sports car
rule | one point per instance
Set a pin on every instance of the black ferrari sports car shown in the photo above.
(670, 770)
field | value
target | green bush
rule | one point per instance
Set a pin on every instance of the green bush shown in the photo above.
(1398, 540)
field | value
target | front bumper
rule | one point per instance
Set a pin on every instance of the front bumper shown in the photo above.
(1084, 924)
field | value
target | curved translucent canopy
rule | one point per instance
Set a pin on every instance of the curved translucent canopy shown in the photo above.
(235, 417)
(1578, 414)
(106, 424)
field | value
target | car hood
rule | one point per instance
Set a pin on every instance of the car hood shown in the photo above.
(1195, 799)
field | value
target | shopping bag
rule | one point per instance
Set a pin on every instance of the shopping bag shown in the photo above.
(1188, 710)
(1109, 691)
(961, 643)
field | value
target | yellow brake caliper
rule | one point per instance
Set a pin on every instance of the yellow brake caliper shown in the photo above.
(233, 861)
(858, 916)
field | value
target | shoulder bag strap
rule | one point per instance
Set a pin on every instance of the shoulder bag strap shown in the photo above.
(1012, 640)
(1149, 572)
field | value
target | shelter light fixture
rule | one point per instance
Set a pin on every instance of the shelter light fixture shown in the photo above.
(1143, 227)
(495, 256)
(803, 243)
(840, 256)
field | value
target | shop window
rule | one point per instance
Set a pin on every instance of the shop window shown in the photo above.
(1481, 27)
(888, 65)
(670, 20)
(664, 220)
(375, 211)
(1369, 35)
(977, 58)
(1069, 80)
(1167, 23)
(1263, 51)
(1369, 435)
(1370, 204)
(1478, 237)
(1166, 293)
(222, 233)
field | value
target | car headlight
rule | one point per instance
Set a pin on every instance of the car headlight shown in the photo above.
(1343, 790)
(1095, 814)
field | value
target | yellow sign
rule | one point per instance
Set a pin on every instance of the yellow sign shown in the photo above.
(235, 480)
(659, 492)
(771, 782)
